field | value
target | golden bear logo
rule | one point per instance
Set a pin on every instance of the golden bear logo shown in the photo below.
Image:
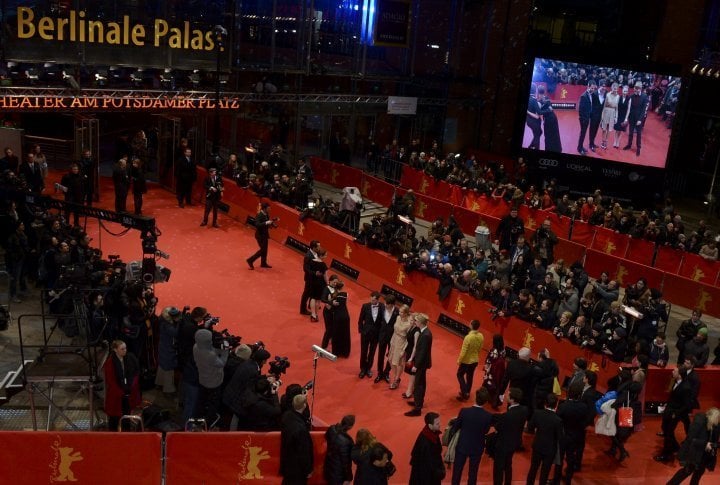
(531, 223)
(400, 278)
(621, 273)
(459, 305)
(528, 339)
(301, 229)
(475, 206)
(421, 209)
(594, 367)
(365, 188)
(333, 176)
(256, 455)
(610, 248)
(424, 186)
(62, 462)
(697, 274)
(703, 299)
(348, 251)
(563, 93)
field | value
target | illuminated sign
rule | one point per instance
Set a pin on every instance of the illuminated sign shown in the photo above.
(76, 28)
(51, 103)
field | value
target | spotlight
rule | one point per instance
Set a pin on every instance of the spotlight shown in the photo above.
(195, 78)
(136, 78)
(101, 77)
(167, 80)
(70, 79)
(695, 68)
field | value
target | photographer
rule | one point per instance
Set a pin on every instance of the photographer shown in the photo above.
(464, 281)
(545, 316)
(262, 235)
(544, 241)
(244, 377)
(261, 406)
(167, 349)
(210, 363)
(525, 307)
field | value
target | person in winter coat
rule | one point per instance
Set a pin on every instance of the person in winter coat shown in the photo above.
(426, 456)
(167, 350)
(261, 405)
(698, 451)
(122, 384)
(296, 445)
(544, 373)
(210, 363)
(338, 461)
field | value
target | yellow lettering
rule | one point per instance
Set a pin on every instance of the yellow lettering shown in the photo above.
(27, 103)
(91, 102)
(61, 23)
(60, 103)
(209, 42)
(161, 30)
(138, 35)
(25, 27)
(197, 40)
(175, 40)
(72, 25)
(113, 35)
(126, 30)
(45, 28)
(186, 37)
(48, 103)
(77, 103)
(81, 14)
(96, 27)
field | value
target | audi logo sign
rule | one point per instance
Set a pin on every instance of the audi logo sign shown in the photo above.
(548, 162)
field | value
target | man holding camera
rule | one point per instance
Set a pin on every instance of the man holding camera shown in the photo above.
(213, 193)
(210, 364)
(262, 235)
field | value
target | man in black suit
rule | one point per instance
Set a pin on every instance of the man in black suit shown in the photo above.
(676, 409)
(9, 162)
(472, 424)
(309, 256)
(509, 427)
(598, 100)
(585, 110)
(121, 182)
(636, 116)
(534, 122)
(296, 445)
(30, 171)
(368, 328)
(185, 175)
(693, 380)
(387, 326)
(589, 396)
(519, 375)
(574, 414)
(548, 429)
(421, 364)
(262, 236)
(213, 193)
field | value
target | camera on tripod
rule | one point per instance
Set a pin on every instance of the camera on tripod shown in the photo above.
(278, 366)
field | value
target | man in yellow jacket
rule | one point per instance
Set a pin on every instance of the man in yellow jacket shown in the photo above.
(468, 359)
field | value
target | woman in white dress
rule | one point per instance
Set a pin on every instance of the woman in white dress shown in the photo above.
(398, 344)
(609, 114)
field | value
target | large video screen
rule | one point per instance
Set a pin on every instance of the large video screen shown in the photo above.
(602, 112)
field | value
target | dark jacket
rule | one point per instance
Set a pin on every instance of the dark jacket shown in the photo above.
(519, 374)
(574, 416)
(387, 328)
(367, 473)
(262, 230)
(296, 446)
(366, 325)
(544, 374)
(692, 451)
(423, 350)
(426, 459)
(472, 424)
(167, 348)
(262, 410)
(509, 426)
(548, 429)
(338, 462)
(244, 375)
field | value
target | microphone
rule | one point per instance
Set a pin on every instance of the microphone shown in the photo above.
(324, 353)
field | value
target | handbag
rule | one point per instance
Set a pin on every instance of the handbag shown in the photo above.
(408, 368)
(625, 414)
(556, 387)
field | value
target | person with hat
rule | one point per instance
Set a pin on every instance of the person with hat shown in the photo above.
(262, 236)
(637, 112)
(213, 193)
(167, 349)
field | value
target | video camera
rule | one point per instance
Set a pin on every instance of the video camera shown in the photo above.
(278, 366)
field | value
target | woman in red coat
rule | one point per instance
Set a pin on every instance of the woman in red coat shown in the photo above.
(495, 370)
(122, 384)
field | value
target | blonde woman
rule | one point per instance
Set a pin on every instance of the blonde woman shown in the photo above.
(697, 453)
(398, 344)
(412, 337)
(609, 114)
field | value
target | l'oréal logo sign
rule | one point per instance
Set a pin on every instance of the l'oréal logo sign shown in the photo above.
(578, 168)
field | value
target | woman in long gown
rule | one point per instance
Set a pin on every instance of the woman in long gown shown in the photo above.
(398, 344)
(318, 270)
(341, 323)
(550, 122)
(412, 337)
(609, 114)
(495, 370)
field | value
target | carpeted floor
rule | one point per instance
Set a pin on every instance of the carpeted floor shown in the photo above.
(209, 269)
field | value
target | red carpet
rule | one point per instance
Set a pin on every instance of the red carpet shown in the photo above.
(209, 269)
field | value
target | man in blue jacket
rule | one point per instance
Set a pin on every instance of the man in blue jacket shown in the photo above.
(472, 423)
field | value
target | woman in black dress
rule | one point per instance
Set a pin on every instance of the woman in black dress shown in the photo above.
(550, 122)
(341, 322)
(412, 337)
(318, 271)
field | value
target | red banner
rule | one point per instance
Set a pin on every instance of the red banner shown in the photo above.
(560, 224)
(610, 242)
(236, 458)
(582, 232)
(84, 457)
(699, 269)
(457, 195)
(668, 259)
(569, 251)
(691, 294)
(596, 262)
(322, 169)
(628, 272)
(641, 251)
(377, 190)
(411, 178)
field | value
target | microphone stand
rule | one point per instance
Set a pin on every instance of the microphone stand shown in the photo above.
(314, 381)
